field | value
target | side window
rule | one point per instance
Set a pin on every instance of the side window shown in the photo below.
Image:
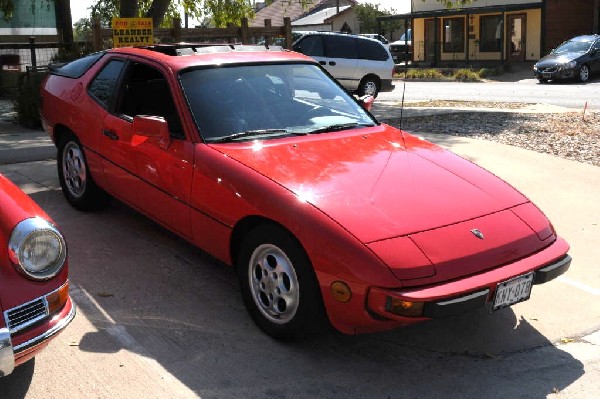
(310, 45)
(146, 92)
(103, 86)
(341, 47)
(369, 50)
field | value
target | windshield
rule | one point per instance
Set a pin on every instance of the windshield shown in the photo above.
(248, 102)
(573, 47)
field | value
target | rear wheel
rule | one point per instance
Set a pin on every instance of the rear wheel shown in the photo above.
(584, 73)
(278, 284)
(369, 86)
(75, 178)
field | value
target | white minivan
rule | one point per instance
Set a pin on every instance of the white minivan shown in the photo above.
(360, 64)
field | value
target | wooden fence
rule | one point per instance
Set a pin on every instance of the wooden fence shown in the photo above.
(244, 34)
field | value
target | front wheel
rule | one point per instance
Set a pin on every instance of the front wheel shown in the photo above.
(584, 73)
(278, 284)
(74, 176)
(369, 86)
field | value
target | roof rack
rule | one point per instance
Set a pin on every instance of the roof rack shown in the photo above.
(179, 49)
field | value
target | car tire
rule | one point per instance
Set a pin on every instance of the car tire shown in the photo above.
(542, 80)
(584, 73)
(278, 284)
(369, 86)
(76, 182)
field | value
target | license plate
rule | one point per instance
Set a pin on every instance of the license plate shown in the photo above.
(513, 291)
(547, 75)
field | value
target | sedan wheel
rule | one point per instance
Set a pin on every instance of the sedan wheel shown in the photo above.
(278, 284)
(584, 73)
(74, 176)
(74, 169)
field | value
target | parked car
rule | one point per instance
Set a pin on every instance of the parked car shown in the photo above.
(261, 159)
(34, 290)
(376, 36)
(360, 64)
(576, 58)
(402, 49)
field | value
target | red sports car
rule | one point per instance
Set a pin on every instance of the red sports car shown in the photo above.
(34, 290)
(261, 159)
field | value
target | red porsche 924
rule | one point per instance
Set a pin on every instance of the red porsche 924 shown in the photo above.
(260, 158)
(34, 289)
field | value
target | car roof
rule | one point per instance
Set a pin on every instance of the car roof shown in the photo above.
(585, 38)
(181, 56)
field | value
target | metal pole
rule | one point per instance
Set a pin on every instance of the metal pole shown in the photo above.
(32, 50)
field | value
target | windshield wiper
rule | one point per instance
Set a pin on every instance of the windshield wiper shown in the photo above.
(338, 127)
(247, 133)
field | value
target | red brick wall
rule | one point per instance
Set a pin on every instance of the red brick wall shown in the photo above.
(568, 18)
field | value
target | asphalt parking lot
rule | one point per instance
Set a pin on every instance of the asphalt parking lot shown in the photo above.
(159, 318)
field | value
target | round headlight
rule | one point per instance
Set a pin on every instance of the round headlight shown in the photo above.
(37, 249)
(571, 64)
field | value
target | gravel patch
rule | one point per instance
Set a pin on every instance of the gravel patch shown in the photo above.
(465, 104)
(567, 135)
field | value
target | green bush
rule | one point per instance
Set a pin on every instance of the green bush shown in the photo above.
(26, 100)
(423, 74)
(466, 75)
(487, 72)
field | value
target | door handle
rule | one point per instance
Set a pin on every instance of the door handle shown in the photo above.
(322, 62)
(332, 63)
(110, 134)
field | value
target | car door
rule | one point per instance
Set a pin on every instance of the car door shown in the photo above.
(341, 56)
(149, 175)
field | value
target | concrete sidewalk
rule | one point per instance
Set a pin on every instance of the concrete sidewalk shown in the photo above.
(19, 144)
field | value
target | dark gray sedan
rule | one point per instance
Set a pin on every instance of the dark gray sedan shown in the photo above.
(576, 58)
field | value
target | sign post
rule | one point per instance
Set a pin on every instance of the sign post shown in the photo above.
(132, 32)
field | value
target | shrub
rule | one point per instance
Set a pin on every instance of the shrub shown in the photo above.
(26, 100)
(466, 75)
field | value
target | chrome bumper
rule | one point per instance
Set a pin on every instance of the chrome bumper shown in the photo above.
(8, 352)
(7, 356)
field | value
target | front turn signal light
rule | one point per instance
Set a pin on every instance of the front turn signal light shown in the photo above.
(404, 308)
(57, 299)
(340, 291)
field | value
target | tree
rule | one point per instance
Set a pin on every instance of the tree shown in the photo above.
(454, 3)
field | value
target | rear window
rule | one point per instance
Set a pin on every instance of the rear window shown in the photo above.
(370, 50)
(75, 69)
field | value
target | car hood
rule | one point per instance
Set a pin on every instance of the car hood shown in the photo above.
(378, 182)
(554, 59)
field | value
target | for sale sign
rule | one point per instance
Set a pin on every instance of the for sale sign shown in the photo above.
(132, 32)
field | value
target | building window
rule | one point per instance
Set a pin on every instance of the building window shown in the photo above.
(454, 35)
(490, 34)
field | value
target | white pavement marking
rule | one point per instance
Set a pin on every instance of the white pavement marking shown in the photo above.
(581, 286)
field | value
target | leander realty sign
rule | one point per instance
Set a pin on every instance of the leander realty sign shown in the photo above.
(132, 32)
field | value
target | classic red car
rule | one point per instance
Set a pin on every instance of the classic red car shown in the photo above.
(34, 290)
(261, 159)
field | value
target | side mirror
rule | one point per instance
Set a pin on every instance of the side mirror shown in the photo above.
(367, 102)
(153, 126)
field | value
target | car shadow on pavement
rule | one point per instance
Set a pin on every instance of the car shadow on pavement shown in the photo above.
(148, 292)
(17, 384)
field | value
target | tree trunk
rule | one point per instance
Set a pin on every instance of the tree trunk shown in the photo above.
(128, 9)
(157, 11)
(64, 22)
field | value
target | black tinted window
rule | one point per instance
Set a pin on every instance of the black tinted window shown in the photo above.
(103, 85)
(369, 50)
(75, 69)
(340, 47)
(310, 45)
(145, 91)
